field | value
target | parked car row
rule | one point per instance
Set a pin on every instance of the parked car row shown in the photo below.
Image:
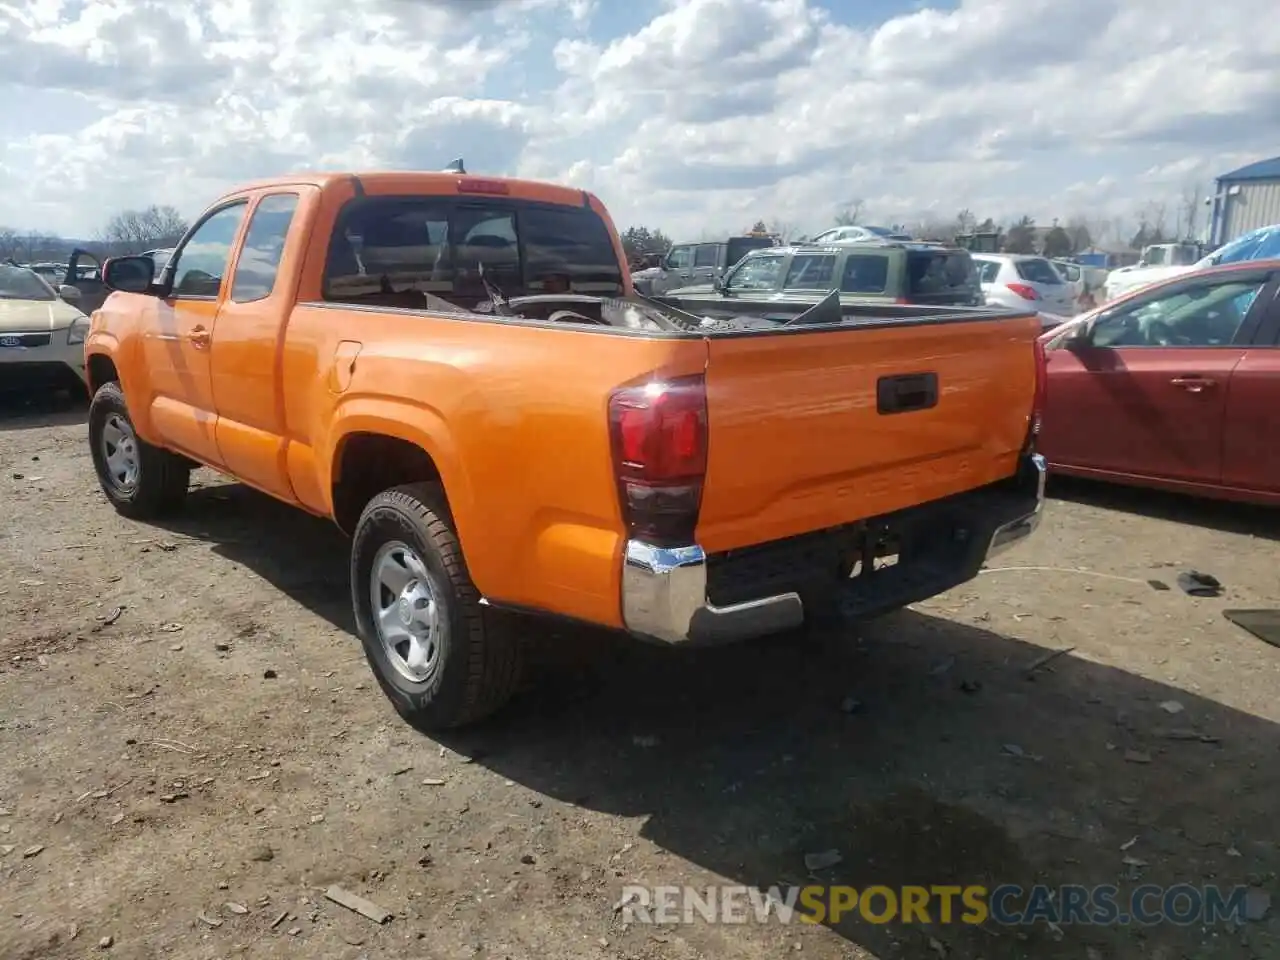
(1259, 244)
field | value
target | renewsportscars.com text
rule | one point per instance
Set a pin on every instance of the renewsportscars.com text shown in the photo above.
(1006, 905)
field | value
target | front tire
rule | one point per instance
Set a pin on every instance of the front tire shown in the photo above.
(140, 480)
(438, 655)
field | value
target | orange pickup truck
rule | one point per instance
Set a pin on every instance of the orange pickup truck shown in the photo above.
(457, 371)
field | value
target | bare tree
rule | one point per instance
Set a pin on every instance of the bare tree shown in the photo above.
(1082, 233)
(1188, 211)
(930, 227)
(1155, 217)
(785, 230)
(850, 212)
(133, 231)
(10, 242)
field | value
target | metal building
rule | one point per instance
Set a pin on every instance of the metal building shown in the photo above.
(1245, 200)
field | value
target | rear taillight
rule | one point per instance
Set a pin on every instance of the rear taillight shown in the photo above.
(1041, 396)
(1024, 291)
(658, 432)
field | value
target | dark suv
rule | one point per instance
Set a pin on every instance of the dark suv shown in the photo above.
(875, 272)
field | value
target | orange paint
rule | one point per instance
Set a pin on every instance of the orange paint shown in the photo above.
(514, 415)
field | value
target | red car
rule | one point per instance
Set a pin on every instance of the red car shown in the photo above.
(1175, 385)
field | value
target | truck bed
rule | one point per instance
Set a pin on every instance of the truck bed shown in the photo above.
(787, 315)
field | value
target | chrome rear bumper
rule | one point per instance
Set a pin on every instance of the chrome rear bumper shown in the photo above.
(664, 589)
(1008, 534)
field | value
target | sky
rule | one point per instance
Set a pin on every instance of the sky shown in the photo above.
(695, 117)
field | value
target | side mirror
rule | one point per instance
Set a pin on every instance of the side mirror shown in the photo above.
(129, 274)
(68, 293)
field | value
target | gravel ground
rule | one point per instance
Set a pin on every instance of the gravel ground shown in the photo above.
(193, 747)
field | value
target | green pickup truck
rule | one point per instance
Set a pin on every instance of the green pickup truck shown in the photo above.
(891, 271)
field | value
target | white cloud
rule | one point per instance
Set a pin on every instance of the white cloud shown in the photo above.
(691, 115)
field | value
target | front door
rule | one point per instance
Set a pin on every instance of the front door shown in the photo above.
(178, 346)
(706, 263)
(84, 272)
(679, 267)
(1146, 395)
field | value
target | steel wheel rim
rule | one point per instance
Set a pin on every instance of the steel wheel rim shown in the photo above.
(120, 457)
(406, 610)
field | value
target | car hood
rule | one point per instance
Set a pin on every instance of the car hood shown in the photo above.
(36, 316)
(1149, 275)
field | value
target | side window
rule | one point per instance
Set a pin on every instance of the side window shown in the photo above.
(1204, 315)
(202, 261)
(988, 270)
(864, 273)
(705, 254)
(756, 273)
(259, 261)
(811, 271)
(681, 258)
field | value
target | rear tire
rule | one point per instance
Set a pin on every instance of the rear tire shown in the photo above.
(140, 480)
(441, 658)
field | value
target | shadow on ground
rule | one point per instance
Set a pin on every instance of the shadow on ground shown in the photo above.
(32, 410)
(954, 766)
(1175, 507)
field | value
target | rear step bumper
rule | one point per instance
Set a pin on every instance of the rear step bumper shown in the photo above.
(669, 594)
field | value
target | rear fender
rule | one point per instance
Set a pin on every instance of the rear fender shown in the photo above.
(413, 423)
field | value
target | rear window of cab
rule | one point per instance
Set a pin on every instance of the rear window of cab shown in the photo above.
(396, 247)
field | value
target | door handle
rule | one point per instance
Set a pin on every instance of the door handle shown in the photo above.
(199, 338)
(1193, 384)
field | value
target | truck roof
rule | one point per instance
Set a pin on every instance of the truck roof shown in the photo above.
(417, 181)
(862, 246)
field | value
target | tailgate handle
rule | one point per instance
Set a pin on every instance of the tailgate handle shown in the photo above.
(907, 392)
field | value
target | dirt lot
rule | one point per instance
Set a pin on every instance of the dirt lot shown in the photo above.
(194, 748)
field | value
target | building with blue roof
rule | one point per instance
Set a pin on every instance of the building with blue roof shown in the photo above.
(1245, 200)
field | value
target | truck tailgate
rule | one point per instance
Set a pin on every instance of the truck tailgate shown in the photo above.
(801, 440)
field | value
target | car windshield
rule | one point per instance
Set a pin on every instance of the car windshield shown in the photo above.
(756, 273)
(19, 283)
(1263, 244)
(1038, 271)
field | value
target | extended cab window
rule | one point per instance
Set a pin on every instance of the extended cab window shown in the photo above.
(263, 245)
(392, 250)
(202, 261)
(811, 271)
(864, 273)
(756, 273)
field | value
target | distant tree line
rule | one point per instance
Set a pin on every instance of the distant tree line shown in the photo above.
(1076, 234)
(129, 231)
(135, 231)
